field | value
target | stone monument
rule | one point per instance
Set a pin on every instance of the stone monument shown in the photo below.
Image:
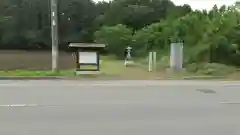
(128, 56)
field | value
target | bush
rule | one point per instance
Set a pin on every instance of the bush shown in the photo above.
(211, 69)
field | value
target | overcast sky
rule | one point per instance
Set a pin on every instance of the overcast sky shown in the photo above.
(201, 4)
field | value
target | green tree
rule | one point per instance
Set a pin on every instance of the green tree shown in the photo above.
(132, 12)
(117, 38)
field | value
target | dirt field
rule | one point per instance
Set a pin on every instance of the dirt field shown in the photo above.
(34, 60)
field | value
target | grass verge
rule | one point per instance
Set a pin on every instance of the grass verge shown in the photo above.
(36, 73)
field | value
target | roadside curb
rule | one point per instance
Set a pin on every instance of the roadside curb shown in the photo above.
(110, 78)
(194, 78)
(53, 78)
(203, 77)
(30, 78)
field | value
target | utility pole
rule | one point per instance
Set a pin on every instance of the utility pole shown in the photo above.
(54, 31)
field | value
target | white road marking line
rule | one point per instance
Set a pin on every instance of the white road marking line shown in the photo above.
(27, 105)
(107, 103)
(229, 102)
(19, 105)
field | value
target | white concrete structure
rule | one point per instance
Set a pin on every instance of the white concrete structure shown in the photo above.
(176, 58)
(152, 61)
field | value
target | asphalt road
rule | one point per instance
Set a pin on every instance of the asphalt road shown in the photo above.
(119, 108)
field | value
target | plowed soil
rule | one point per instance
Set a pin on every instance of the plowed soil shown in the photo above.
(34, 60)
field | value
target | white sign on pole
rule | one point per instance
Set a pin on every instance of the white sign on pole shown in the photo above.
(88, 57)
(154, 61)
(54, 23)
(150, 62)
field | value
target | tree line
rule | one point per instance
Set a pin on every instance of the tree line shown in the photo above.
(211, 36)
(26, 24)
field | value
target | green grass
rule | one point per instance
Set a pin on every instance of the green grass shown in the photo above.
(36, 73)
